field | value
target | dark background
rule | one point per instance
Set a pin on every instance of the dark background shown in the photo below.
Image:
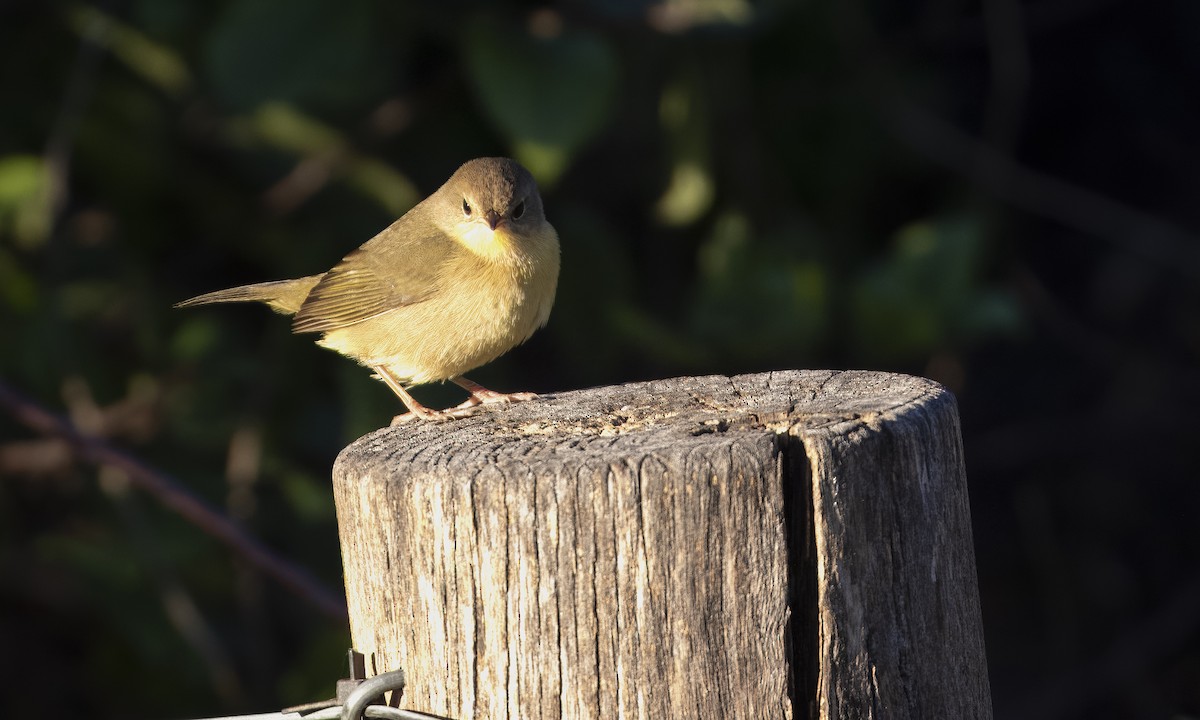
(1002, 196)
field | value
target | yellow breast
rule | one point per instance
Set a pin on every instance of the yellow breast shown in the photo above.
(489, 300)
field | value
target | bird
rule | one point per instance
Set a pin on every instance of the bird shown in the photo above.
(467, 274)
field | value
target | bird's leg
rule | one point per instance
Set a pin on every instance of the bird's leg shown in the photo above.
(415, 409)
(481, 395)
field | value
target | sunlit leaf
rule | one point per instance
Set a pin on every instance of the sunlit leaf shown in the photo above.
(286, 127)
(688, 196)
(685, 119)
(390, 188)
(159, 64)
(677, 15)
(24, 199)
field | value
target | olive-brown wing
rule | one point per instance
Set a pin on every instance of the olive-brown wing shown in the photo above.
(398, 267)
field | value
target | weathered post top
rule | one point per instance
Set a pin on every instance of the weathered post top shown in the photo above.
(783, 545)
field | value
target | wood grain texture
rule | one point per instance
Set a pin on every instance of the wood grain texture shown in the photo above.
(790, 544)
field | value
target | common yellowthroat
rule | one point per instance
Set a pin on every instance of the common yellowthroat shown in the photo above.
(463, 277)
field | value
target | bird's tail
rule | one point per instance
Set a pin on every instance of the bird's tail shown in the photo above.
(283, 296)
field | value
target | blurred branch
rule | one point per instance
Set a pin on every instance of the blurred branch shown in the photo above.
(1138, 233)
(1009, 67)
(323, 154)
(173, 496)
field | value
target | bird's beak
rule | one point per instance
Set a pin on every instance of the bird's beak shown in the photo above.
(492, 218)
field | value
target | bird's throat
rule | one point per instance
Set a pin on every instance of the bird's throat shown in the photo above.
(485, 242)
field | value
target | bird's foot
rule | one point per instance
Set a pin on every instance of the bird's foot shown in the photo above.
(430, 415)
(491, 397)
(481, 395)
(410, 416)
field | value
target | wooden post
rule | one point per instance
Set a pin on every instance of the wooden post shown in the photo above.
(785, 545)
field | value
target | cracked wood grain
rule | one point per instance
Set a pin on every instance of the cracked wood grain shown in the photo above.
(783, 545)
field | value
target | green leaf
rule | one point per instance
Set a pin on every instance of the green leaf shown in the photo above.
(18, 289)
(309, 500)
(684, 113)
(761, 295)
(155, 62)
(24, 198)
(927, 294)
(304, 51)
(688, 196)
(288, 128)
(548, 94)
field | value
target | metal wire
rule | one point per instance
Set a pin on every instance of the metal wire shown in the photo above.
(357, 698)
(360, 703)
(375, 712)
(371, 689)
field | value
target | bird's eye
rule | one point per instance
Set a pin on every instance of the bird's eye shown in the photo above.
(519, 210)
(466, 208)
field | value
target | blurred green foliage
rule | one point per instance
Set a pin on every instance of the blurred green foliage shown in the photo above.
(738, 186)
(548, 88)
